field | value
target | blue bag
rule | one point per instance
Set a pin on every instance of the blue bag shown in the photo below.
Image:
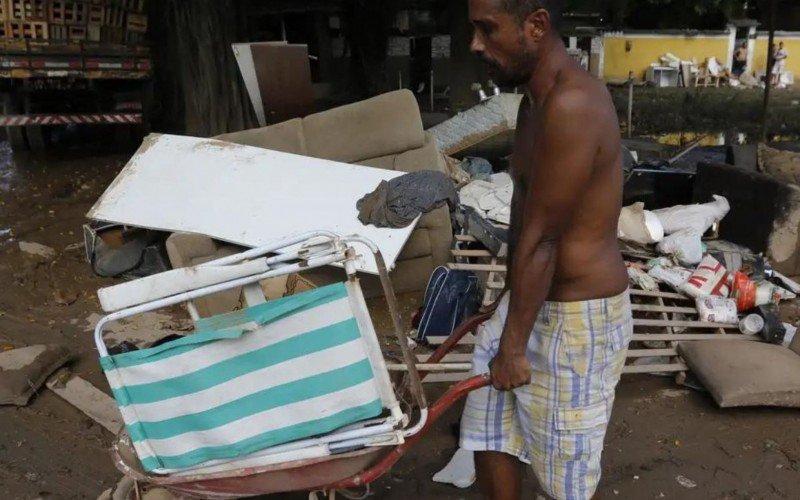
(450, 298)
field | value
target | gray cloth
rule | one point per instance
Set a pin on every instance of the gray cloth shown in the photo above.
(478, 168)
(398, 202)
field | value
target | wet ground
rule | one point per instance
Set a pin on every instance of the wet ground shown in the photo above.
(50, 450)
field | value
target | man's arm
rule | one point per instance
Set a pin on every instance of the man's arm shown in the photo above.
(563, 167)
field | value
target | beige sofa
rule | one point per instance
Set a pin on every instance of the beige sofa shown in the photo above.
(383, 132)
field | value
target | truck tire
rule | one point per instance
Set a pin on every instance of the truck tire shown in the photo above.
(37, 134)
(36, 138)
(16, 135)
(17, 139)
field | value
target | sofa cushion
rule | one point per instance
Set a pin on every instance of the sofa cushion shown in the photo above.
(427, 157)
(418, 244)
(745, 373)
(286, 137)
(383, 125)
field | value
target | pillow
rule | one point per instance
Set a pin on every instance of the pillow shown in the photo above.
(745, 373)
(24, 370)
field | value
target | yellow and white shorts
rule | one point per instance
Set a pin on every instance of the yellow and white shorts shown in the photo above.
(558, 422)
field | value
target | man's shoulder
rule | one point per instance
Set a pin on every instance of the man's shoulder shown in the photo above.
(580, 96)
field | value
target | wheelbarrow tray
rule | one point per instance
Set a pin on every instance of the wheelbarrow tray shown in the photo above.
(298, 475)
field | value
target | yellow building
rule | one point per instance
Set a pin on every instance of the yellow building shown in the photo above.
(617, 55)
(633, 52)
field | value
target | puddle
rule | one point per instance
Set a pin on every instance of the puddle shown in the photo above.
(8, 170)
(713, 138)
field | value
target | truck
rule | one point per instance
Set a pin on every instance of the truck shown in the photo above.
(68, 64)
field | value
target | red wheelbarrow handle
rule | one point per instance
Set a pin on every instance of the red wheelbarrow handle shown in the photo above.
(468, 326)
(435, 411)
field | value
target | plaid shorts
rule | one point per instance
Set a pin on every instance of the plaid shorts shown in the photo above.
(558, 422)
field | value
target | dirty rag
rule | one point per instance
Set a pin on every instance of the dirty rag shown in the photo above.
(639, 225)
(492, 198)
(397, 202)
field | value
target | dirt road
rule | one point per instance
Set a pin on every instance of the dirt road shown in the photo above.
(50, 450)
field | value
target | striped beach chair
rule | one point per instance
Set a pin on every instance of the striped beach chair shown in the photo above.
(298, 377)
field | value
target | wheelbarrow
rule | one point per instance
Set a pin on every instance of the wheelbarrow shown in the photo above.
(343, 455)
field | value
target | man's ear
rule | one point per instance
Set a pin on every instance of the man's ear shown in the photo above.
(536, 24)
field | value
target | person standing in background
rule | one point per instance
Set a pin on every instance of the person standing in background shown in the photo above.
(740, 60)
(780, 55)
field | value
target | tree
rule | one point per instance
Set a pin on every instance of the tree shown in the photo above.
(674, 14)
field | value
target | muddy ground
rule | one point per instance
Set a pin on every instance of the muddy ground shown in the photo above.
(48, 449)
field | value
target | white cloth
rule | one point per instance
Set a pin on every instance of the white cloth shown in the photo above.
(492, 199)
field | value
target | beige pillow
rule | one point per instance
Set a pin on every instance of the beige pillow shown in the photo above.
(24, 370)
(782, 165)
(745, 373)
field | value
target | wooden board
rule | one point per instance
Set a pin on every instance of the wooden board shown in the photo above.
(678, 323)
(478, 267)
(244, 58)
(471, 253)
(244, 195)
(671, 367)
(663, 309)
(284, 80)
(665, 295)
(692, 336)
(96, 404)
(646, 353)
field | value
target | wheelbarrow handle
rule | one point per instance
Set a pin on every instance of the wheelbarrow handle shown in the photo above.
(468, 326)
(436, 410)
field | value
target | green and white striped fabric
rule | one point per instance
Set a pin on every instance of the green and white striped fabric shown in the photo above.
(277, 372)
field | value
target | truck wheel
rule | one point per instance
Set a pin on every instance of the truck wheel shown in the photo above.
(36, 138)
(16, 135)
(17, 139)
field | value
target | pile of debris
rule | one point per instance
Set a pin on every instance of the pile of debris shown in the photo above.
(685, 283)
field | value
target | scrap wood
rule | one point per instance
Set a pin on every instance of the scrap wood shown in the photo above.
(680, 323)
(96, 404)
(663, 309)
(659, 368)
(691, 336)
(666, 295)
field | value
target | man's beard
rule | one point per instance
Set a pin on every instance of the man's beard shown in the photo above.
(518, 74)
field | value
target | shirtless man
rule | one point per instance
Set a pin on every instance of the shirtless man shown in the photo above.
(556, 344)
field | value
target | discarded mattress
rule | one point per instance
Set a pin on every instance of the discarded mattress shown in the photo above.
(739, 373)
(244, 195)
(492, 117)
